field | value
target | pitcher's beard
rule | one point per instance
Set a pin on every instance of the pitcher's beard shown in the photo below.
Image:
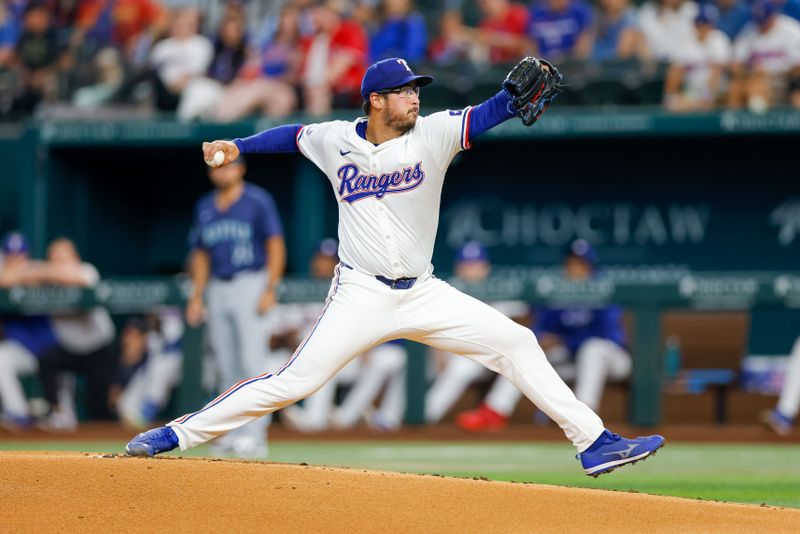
(400, 123)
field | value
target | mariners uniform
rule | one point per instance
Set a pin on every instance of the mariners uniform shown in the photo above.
(235, 242)
(384, 288)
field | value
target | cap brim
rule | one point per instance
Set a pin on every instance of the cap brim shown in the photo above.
(422, 80)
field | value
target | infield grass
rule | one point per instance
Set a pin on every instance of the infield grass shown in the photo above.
(747, 473)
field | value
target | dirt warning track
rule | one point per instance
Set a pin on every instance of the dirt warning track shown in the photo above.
(85, 492)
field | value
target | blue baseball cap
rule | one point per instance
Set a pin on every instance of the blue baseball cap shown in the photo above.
(762, 10)
(14, 243)
(472, 251)
(388, 74)
(581, 248)
(707, 14)
(328, 247)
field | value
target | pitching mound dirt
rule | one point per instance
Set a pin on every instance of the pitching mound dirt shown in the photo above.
(81, 492)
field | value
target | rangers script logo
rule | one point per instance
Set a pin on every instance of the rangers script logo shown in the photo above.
(355, 185)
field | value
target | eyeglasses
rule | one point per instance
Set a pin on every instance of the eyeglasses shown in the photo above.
(404, 92)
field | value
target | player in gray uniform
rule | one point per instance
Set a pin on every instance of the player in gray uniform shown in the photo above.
(238, 259)
(387, 171)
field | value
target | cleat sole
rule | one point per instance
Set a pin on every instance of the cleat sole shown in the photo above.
(613, 467)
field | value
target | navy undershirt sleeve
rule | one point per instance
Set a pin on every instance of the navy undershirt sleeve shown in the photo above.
(490, 113)
(279, 139)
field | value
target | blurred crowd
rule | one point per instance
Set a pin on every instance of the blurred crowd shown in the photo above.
(223, 60)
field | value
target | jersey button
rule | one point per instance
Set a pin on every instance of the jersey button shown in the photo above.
(380, 208)
(397, 265)
(387, 236)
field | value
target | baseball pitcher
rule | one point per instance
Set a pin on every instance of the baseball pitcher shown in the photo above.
(386, 171)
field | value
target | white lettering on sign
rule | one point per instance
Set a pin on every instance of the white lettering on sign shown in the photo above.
(497, 223)
(787, 218)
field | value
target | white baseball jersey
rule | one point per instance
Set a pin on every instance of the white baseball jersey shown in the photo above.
(777, 50)
(664, 29)
(699, 57)
(388, 194)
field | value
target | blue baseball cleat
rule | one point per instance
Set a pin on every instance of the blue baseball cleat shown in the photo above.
(778, 422)
(610, 451)
(152, 442)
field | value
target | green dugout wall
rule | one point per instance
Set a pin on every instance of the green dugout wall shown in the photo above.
(708, 191)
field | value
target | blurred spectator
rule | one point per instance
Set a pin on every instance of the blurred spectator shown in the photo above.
(23, 339)
(767, 60)
(131, 25)
(264, 83)
(733, 16)
(107, 79)
(365, 14)
(503, 29)
(179, 58)
(616, 33)
(401, 33)
(792, 8)
(230, 52)
(334, 61)
(456, 373)
(149, 367)
(258, 15)
(560, 29)
(666, 24)
(781, 418)
(9, 33)
(583, 344)
(455, 43)
(694, 81)
(84, 341)
(37, 55)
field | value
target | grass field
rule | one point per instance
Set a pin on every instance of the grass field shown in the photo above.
(748, 473)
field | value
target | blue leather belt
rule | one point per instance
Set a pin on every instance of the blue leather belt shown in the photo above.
(400, 283)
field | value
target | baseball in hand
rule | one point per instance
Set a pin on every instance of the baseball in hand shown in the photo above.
(217, 160)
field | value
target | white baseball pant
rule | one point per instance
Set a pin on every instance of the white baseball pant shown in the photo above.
(15, 361)
(362, 312)
(382, 363)
(315, 413)
(789, 401)
(597, 360)
(450, 383)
